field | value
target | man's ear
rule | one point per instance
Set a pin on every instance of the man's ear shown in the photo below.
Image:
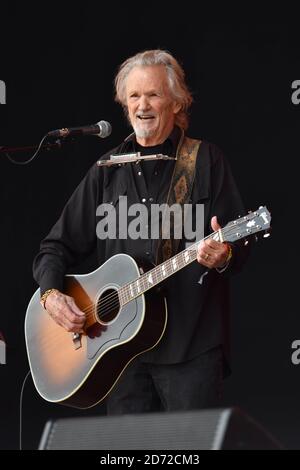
(176, 107)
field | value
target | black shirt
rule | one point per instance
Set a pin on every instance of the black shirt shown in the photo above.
(198, 306)
(152, 169)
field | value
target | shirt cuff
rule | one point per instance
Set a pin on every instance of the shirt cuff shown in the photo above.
(223, 268)
(51, 280)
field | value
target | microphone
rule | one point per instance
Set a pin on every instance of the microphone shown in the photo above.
(101, 129)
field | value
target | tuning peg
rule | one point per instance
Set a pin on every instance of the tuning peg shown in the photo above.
(256, 238)
(267, 234)
(246, 242)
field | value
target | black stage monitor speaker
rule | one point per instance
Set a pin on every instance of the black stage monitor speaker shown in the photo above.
(195, 430)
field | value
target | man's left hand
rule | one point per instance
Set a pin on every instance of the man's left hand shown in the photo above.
(211, 253)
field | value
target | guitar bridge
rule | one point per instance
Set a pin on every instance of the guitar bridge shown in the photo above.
(76, 338)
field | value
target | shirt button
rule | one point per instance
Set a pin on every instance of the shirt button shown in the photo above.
(150, 199)
(155, 173)
(143, 200)
(139, 173)
(147, 253)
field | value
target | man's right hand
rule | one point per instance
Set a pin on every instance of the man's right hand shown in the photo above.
(64, 311)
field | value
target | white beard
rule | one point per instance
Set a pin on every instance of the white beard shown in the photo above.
(142, 133)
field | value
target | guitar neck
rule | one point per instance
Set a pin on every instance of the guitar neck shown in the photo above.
(161, 272)
(235, 230)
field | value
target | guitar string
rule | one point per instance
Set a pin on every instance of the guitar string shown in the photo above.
(112, 297)
(109, 306)
(113, 301)
(89, 310)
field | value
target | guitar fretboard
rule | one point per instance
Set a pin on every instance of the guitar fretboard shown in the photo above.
(242, 227)
(161, 272)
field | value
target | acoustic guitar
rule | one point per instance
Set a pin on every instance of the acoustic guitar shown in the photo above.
(125, 317)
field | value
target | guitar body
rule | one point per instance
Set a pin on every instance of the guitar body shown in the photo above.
(81, 371)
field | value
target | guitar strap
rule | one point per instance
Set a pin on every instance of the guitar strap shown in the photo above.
(179, 193)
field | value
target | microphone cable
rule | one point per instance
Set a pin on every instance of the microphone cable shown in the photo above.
(16, 162)
(21, 410)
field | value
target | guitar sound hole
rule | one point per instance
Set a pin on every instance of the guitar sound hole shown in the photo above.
(108, 306)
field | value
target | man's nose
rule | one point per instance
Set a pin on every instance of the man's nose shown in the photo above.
(144, 103)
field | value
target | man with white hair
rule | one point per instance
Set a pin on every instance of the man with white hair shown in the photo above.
(185, 369)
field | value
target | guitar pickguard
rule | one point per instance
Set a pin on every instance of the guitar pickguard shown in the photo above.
(120, 330)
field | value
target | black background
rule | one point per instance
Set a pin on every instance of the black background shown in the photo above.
(58, 65)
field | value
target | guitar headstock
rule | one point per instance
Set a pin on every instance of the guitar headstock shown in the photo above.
(250, 224)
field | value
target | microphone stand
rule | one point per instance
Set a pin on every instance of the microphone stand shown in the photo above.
(47, 146)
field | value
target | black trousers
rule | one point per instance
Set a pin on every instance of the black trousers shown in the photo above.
(188, 385)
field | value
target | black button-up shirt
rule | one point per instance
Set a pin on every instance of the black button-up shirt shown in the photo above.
(198, 304)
